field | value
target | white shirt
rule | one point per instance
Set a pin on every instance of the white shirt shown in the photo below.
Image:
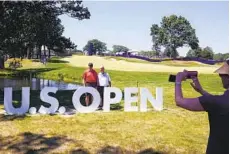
(104, 79)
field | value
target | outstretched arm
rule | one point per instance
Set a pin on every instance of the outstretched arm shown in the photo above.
(192, 104)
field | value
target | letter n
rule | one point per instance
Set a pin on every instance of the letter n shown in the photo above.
(147, 96)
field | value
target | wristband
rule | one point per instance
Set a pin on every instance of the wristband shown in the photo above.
(178, 83)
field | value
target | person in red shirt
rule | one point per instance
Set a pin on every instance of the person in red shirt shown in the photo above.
(90, 79)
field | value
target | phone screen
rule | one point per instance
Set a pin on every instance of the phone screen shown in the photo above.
(172, 78)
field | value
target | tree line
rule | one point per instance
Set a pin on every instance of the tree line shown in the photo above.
(27, 26)
(98, 47)
(207, 53)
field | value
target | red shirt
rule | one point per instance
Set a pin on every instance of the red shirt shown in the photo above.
(90, 76)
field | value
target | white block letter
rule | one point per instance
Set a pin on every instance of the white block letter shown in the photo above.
(156, 103)
(25, 101)
(76, 99)
(129, 99)
(108, 100)
(48, 99)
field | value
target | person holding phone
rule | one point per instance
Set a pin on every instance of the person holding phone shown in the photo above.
(217, 107)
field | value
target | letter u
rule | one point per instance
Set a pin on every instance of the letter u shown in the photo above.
(8, 105)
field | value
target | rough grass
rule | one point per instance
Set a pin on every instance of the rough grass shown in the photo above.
(172, 130)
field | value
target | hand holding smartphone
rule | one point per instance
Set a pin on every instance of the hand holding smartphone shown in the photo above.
(172, 78)
(192, 73)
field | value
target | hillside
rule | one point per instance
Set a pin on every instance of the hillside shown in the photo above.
(124, 64)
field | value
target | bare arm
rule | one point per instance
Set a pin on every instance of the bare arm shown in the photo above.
(110, 84)
(83, 79)
(197, 86)
(192, 104)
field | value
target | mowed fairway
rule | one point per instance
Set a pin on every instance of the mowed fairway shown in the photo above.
(136, 64)
(172, 130)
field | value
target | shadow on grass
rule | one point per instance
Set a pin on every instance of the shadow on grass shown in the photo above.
(28, 72)
(36, 60)
(57, 61)
(11, 117)
(52, 60)
(79, 151)
(150, 151)
(116, 106)
(32, 143)
(116, 150)
(28, 143)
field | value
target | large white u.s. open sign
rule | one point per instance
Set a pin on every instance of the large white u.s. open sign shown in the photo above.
(144, 96)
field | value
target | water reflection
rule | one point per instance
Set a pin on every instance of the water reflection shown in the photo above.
(35, 84)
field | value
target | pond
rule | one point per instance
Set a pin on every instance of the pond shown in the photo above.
(35, 84)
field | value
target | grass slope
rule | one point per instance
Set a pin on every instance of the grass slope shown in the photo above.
(174, 63)
(132, 64)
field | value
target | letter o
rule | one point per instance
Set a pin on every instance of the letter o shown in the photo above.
(76, 99)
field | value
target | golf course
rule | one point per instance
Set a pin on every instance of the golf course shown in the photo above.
(109, 77)
(172, 130)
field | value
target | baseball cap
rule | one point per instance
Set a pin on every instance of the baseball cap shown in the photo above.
(224, 69)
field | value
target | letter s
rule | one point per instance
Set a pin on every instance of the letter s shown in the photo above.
(48, 99)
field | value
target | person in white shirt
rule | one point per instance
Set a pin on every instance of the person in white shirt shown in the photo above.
(104, 81)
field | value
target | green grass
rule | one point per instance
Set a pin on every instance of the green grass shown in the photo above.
(172, 130)
(183, 63)
(168, 63)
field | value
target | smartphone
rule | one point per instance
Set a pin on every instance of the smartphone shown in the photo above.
(192, 73)
(172, 78)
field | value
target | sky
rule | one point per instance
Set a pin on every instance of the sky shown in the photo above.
(128, 23)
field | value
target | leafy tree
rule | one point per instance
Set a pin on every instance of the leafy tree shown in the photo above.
(2, 59)
(54, 35)
(191, 53)
(221, 56)
(25, 25)
(120, 48)
(61, 44)
(207, 53)
(96, 45)
(194, 52)
(169, 52)
(173, 32)
(149, 54)
(157, 35)
(198, 52)
(225, 56)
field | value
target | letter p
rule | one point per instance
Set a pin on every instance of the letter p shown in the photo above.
(108, 100)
